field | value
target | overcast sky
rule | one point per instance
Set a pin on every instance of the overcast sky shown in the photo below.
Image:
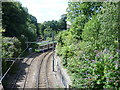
(45, 10)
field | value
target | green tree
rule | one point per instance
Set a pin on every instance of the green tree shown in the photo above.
(109, 20)
(92, 57)
(11, 48)
(79, 14)
(13, 19)
(18, 22)
(34, 21)
(62, 22)
(77, 27)
(76, 9)
(41, 29)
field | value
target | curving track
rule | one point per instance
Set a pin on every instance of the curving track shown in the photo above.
(22, 75)
(42, 81)
(36, 72)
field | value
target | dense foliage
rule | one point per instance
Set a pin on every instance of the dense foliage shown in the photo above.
(89, 49)
(18, 22)
(11, 48)
(55, 26)
(20, 27)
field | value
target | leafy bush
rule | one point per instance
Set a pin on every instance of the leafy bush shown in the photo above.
(11, 48)
(100, 72)
(91, 48)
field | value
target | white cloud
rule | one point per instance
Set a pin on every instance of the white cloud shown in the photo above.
(45, 10)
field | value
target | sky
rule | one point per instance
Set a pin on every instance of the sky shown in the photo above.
(45, 10)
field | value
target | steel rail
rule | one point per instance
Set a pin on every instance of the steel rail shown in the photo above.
(47, 83)
(39, 72)
(20, 71)
(28, 73)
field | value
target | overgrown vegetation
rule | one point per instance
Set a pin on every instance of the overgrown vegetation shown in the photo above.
(18, 23)
(10, 49)
(54, 26)
(20, 27)
(90, 48)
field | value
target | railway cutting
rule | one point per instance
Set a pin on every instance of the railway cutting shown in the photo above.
(35, 71)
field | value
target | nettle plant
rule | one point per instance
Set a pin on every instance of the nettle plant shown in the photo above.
(100, 72)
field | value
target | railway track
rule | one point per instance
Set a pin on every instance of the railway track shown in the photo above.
(21, 77)
(35, 75)
(29, 81)
(42, 81)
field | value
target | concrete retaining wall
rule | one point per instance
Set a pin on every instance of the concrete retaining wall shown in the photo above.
(61, 73)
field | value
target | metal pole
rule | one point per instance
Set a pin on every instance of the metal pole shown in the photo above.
(53, 49)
